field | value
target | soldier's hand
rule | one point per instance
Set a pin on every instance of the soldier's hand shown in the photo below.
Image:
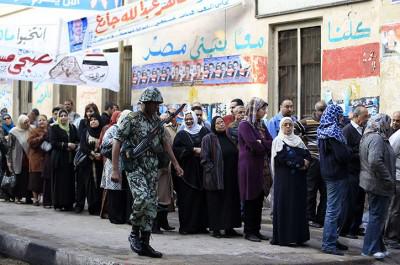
(116, 176)
(178, 170)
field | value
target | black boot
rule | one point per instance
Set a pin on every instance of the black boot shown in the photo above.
(156, 224)
(134, 240)
(147, 250)
(163, 221)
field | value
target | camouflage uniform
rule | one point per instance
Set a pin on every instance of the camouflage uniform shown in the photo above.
(143, 178)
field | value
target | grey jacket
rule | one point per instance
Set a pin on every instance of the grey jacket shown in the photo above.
(378, 165)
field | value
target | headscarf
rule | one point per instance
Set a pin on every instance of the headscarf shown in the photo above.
(7, 128)
(65, 127)
(114, 117)
(196, 126)
(123, 115)
(213, 123)
(329, 125)
(252, 108)
(281, 139)
(95, 132)
(20, 133)
(379, 123)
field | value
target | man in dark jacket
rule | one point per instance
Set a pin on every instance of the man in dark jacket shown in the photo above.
(354, 203)
(307, 130)
(108, 111)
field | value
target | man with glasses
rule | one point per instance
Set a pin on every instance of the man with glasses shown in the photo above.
(286, 110)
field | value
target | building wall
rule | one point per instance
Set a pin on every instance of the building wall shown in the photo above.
(200, 37)
(351, 52)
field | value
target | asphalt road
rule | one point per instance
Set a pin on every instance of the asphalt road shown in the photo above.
(7, 261)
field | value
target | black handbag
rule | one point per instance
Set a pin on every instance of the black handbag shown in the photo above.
(8, 181)
(79, 158)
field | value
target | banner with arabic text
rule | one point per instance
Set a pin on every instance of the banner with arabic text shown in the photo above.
(91, 69)
(136, 18)
(6, 95)
(31, 37)
(68, 4)
(236, 69)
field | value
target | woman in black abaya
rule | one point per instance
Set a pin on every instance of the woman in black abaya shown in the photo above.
(189, 188)
(290, 161)
(219, 158)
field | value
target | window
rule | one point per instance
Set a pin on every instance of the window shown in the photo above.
(299, 67)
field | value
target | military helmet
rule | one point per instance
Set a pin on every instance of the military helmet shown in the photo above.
(151, 94)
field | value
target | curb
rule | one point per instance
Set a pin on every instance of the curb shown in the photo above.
(37, 252)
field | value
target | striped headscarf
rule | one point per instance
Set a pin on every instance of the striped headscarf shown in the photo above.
(252, 108)
(330, 126)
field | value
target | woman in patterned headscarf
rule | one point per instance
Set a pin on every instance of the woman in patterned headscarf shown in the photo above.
(377, 178)
(254, 174)
(334, 155)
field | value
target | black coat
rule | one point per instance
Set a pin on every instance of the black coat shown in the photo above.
(63, 174)
(334, 159)
(353, 142)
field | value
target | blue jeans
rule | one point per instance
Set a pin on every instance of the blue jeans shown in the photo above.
(378, 211)
(335, 191)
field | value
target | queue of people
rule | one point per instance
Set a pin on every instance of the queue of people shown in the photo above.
(230, 166)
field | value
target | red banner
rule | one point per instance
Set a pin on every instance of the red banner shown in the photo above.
(351, 62)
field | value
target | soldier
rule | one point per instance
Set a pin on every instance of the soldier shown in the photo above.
(142, 172)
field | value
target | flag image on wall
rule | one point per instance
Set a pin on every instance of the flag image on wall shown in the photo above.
(95, 67)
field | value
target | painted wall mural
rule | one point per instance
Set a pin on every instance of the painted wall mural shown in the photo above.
(351, 62)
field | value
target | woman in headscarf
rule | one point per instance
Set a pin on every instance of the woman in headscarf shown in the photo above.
(37, 155)
(115, 202)
(289, 162)
(7, 124)
(90, 109)
(91, 168)
(334, 156)
(18, 162)
(377, 178)
(254, 172)
(219, 158)
(104, 199)
(189, 187)
(64, 141)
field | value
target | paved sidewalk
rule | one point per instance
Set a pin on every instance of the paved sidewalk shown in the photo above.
(43, 236)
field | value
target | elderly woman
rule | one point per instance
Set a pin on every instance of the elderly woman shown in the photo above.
(18, 162)
(64, 140)
(189, 187)
(254, 173)
(334, 156)
(377, 178)
(219, 158)
(290, 161)
(37, 155)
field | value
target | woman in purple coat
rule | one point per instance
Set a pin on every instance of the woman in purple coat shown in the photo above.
(254, 148)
